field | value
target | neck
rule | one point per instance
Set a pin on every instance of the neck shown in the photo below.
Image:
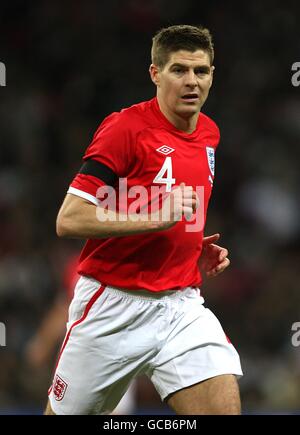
(187, 124)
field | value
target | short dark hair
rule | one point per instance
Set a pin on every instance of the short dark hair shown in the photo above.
(180, 37)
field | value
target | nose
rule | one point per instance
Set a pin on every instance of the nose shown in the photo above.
(191, 79)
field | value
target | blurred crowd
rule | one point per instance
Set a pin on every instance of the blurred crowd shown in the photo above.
(68, 65)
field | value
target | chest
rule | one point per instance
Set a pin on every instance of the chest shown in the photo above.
(166, 159)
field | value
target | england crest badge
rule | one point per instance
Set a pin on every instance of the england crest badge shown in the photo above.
(211, 159)
(59, 388)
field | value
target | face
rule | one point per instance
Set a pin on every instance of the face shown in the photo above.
(184, 82)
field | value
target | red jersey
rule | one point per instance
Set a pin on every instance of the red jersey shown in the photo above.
(139, 143)
(70, 275)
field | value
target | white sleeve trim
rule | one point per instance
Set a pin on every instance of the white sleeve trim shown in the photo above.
(82, 194)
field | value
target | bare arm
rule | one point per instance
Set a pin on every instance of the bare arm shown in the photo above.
(77, 217)
(51, 331)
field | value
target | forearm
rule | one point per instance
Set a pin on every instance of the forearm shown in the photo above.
(90, 222)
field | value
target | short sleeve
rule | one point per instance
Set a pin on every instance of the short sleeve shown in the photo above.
(112, 145)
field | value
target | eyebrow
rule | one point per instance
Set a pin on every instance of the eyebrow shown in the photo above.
(204, 67)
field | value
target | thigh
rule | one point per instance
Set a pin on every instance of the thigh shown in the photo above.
(197, 349)
(91, 377)
(215, 396)
(104, 349)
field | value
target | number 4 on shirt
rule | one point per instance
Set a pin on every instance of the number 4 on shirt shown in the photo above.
(167, 180)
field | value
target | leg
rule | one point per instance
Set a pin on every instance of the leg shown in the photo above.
(215, 396)
(48, 410)
(95, 367)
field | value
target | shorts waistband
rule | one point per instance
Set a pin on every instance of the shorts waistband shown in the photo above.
(152, 296)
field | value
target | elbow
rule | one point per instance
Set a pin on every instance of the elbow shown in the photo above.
(62, 227)
(70, 221)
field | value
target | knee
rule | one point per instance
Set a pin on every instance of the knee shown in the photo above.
(231, 399)
(49, 410)
(233, 408)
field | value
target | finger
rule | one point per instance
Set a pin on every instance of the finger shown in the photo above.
(197, 199)
(188, 192)
(210, 239)
(221, 267)
(187, 212)
(223, 254)
(219, 252)
(195, 205)
(218, 269)
(189, 202)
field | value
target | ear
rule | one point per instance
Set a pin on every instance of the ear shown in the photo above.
(154, 74)
(212, 75)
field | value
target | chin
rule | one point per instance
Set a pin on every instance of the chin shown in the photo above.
(189, 112)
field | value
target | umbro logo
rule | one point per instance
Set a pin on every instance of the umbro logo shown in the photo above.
(165, 150)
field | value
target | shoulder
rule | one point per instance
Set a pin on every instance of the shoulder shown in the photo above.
(130, 120)
(114, 142)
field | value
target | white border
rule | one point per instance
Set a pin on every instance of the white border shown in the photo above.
(82, 194)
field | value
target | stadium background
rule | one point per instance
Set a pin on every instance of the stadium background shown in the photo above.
(69, 64)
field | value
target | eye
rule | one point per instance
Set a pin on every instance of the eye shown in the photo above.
(178, 70)
(201, 71)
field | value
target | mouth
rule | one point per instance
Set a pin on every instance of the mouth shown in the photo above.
(191, 97)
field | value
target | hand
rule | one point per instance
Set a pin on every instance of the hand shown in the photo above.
(213, 259)
(182, 201)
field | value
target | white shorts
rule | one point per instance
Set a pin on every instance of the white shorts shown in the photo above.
(114, 335)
